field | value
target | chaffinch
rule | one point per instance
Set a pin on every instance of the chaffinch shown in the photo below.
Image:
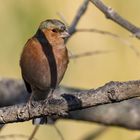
(44, 59)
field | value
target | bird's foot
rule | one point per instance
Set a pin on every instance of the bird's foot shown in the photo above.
(29, 104)
(50, 96)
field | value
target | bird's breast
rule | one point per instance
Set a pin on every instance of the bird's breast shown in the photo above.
(61, 57)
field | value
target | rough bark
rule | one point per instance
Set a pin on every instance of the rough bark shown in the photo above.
(74, 104)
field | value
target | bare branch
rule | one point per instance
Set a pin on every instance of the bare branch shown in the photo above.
(91, 53)
(118, 114)
(15, 136)
(125, 114)
(66, 102)
(114, 16)
(58, 131)
(78, 16)
(119, 38)
(34, 132)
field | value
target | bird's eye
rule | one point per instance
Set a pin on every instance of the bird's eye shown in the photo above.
(54, 30)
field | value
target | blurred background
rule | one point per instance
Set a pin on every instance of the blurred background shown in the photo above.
(20, 20)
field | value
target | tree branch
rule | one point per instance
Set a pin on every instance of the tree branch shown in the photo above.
(114, 16)
(15, 136)
(70, 101)
(34, 132)
(81, 11)
(124, 114)
(111, 14)
(85, 54)
(119, 38)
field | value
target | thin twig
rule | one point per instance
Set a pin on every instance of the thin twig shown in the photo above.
(91, 53)
(15, 136)
(78, 16)
(34, 132)
(58, 131)
(114, 16)
(119, 38)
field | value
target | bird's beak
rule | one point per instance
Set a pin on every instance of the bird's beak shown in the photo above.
(64, 34)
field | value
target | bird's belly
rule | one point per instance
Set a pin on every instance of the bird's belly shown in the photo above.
(40, 76)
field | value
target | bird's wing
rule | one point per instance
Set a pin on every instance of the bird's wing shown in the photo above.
(28, 86)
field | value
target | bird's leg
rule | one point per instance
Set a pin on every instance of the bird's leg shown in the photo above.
(45, 96)
(29, 104)
(50, 95)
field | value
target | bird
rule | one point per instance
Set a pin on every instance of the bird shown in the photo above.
(44, 60)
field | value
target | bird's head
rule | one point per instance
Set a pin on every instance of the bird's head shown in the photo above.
(55, 27)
